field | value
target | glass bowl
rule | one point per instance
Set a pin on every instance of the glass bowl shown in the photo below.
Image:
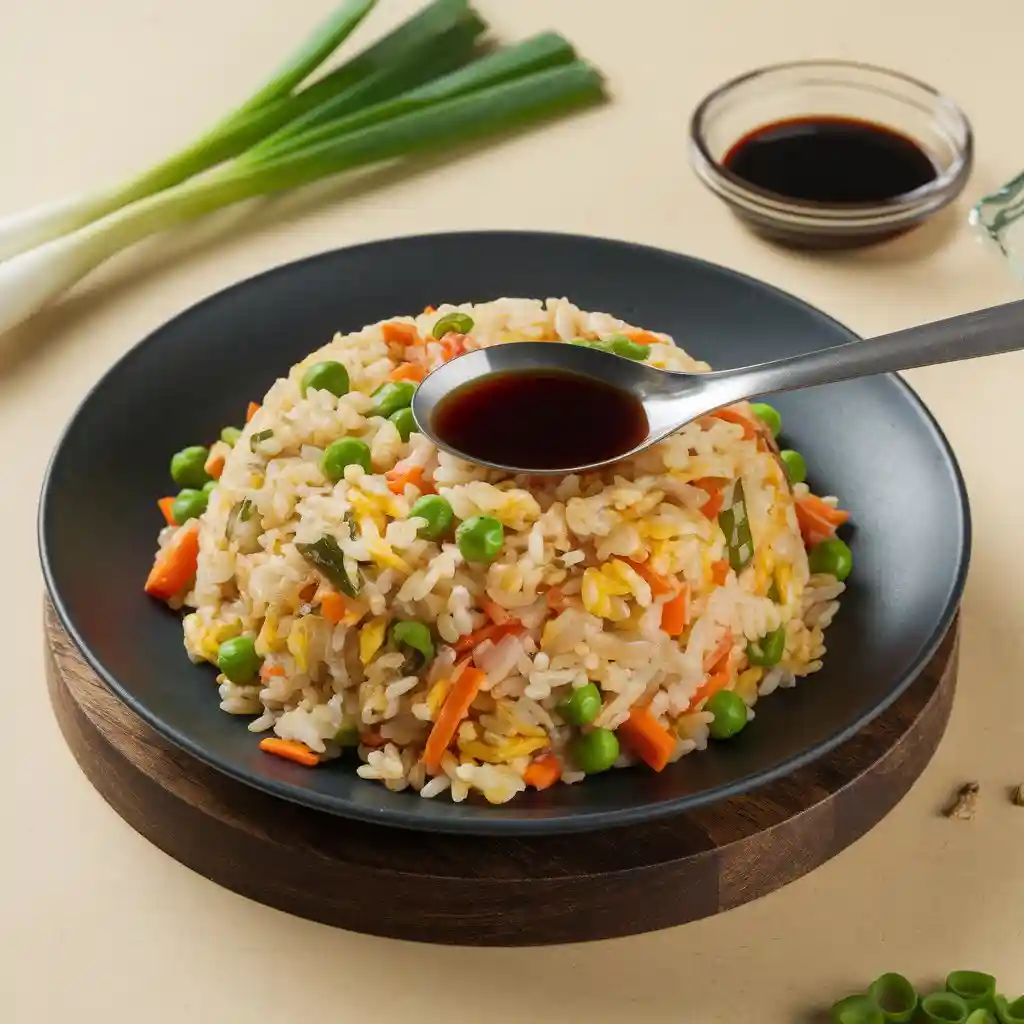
(830, 88)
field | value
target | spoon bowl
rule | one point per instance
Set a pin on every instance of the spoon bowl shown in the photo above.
(671, 399)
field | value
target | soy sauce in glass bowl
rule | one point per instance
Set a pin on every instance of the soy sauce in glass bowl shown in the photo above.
(830, 154)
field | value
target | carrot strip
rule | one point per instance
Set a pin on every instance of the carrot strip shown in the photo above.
(453, 711)
(492, 631)
(675, 613)
(404, 334)
(494, 611)
(332, 607)
(269, 671)
(452, 345)
(557, 601)
(659, 584)
(643, 337)
(543, 772)
(408, 371)
(720, 572)
(715, 492)
(648, 738)
(165, 505)
(215, 465)
(175, 563)
(818, 521)
(719, 653)
(716, 681)
(290, 750)
(398, 478)
(254, 407)
(732, 416)
(427, 310)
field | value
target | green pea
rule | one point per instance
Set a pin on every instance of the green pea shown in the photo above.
(480, 538)
(831, 557)
(238, 660)
(595, 751)
(347, 451)
(796, 465)
(437, 512)
(581, 707)
(209, 486)
(629, 349)
(393, 396)
(769, 416)
(329, 375)
(188, 466)
(458, 322)
(730, 714)
(230, 435)
(347, 735)
(415, 635)
(405, 421)
(189, 504)
(769, 649)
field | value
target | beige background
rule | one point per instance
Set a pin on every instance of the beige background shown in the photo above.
(97, 925)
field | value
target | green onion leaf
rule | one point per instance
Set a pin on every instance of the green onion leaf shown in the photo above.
(974, 988)
(458, 322)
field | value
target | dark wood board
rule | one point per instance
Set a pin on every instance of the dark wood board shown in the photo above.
(494, 891)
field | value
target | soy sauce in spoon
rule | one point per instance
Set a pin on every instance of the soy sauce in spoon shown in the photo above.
(545, 419)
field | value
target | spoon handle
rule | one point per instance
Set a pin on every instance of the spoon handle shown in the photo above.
(985, 332)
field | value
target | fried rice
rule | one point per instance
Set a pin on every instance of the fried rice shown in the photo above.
(655, 580)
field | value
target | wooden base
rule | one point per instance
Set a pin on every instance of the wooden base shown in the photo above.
(494, 891)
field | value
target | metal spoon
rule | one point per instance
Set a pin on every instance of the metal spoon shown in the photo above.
(671, 399)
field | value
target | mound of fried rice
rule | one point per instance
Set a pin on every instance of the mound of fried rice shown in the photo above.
(577, 593)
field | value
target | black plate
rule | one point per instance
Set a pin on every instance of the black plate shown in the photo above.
(870, 441)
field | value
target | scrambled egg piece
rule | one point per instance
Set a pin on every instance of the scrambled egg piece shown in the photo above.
(371, 638)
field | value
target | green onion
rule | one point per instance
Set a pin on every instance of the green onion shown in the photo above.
(268, 109)
(256, 439)
(736, 527)
(977, 990)
(981, 1016)
(859, 1009)
(458, 322)
(944, 1008)
(895, 996)
(326, 556)
(32, 279)
(1009, 1013)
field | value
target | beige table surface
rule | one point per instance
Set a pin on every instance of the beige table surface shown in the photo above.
(96, 925)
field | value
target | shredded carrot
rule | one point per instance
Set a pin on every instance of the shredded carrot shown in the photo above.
(455, 708)
(659, 584)
(718, 665)
(557, 601)
(269, 671)
(332, 607)
(732, 416)
(408, 371)
(716, 681)
(404, 334)
(648, 738)
(494, 611)
(452, 345)
(675, 613)
(175, 563)
(427, 310)
(818, 520)
(719, 572)
(254, 407)
(165, 505)
(492, 631)
(543, 772)
(398, 478)
(214, 465)
(720, 653)
(290, 750)
(643, 337)
(714, 490)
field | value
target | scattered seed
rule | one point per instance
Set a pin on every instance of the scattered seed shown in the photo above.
(965, 803)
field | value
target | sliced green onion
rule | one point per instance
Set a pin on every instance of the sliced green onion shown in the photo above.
(30, 280)
(326, 556)
(736, 526)
(981, 1016)
(944, 1008)
(268, 109)
(458, 322)
(858, 1009)
(976, 989)
(895, 996)
(1009, 1013)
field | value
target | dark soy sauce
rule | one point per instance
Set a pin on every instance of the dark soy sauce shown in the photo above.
(540, 420)
(830, 160)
